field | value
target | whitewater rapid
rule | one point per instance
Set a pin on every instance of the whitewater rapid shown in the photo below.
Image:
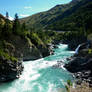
(40, 76)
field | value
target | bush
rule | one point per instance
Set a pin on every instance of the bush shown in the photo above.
(7, 56)
(89, 51)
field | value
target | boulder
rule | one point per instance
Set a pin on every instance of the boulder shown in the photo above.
(9, 70)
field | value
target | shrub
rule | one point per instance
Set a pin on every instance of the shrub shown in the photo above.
(7, 56)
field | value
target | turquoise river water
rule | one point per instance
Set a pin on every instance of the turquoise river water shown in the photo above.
(41, 76)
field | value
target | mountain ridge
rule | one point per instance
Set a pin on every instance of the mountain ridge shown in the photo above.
(79, 15)
(42, 19)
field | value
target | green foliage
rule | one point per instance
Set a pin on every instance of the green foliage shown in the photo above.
(69, 82)
(15, 28)
(45, 36)
(4, 54)
(35, 39)
(7, 27)
(16, 25)
(8, 57)
(13, 59)
(89, 37)
(89, 51)
(67, 88)
(68, 85)
(72, 36)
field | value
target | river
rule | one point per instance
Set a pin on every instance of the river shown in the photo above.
(41, 76)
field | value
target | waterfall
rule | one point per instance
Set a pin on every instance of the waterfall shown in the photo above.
(77, 49)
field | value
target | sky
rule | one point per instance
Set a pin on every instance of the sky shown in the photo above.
(26, 8)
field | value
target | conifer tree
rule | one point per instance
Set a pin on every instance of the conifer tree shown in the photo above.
(16, 25)
(0, 27)
(7, 27)
(7, 15)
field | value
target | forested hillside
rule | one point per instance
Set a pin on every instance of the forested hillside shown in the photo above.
(74, 16)
(43, 19)
(17, 43)
(75, 19)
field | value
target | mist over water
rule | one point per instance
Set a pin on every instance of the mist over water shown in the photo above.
(40, 75)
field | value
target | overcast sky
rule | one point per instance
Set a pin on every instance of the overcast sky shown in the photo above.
(27, 7)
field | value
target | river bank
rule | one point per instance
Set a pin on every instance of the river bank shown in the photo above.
(81, 65)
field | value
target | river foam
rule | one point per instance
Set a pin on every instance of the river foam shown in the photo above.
(40, 76)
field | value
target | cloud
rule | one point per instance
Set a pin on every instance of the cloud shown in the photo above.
(27, 7)
(24, 15)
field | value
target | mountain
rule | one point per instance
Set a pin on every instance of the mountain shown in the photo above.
(76, 18)
(43, 19)
(73, 16)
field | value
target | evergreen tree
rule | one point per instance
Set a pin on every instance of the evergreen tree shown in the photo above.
(7, 26)
(16, 25)
(0, 27)
(7, 15)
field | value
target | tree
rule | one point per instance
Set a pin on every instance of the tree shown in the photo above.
(23, 30)
(16, 25)
(0, 26)
(7, 26)
(7, 15)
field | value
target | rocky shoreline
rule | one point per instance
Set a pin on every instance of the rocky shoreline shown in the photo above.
(83, 76)
(10, 70)
(81, 65)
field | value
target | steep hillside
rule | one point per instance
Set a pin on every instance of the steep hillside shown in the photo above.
(77, 18)
(22, 41)
(18, 44)
(41, 20)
